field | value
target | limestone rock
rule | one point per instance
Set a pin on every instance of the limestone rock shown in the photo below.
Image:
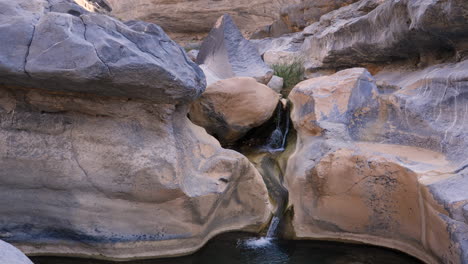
(392, 30)
(133, 178)
(72, 50)
(230, 108)
(382, 166)
(197, 17)
(11, 255)
(298, 16)
(228, 54)
(97, 155)
(295, 17)
(338, 98)
(276, 83)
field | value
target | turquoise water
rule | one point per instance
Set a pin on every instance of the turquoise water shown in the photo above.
(241, 249)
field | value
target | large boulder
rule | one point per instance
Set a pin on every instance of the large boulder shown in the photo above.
(226, 53)
(337, 99)
(382, 162)
(11, 255)
(229, 108)
(183, 18)
(98, 157)
(72, 50)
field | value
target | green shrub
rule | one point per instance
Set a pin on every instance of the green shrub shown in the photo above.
(292, 73)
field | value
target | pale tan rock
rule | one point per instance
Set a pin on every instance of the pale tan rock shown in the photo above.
(132, 178)
(335, 98)
(273, 57)
(230, 108)
(181, 16)
(366, 194)
(405, 197)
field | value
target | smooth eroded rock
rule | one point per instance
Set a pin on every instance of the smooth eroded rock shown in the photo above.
(229, 108)
(337, 98)
(198, 17)
(118, 179)
(227, 54)
(370, 31)
(381, 164)
(72, 50)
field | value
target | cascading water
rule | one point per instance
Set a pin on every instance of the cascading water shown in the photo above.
(272, 176)
(273, 226)
(277, 140)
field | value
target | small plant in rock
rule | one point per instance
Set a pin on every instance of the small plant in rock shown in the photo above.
(292, 73)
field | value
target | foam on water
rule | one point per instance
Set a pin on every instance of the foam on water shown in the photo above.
(261, 242)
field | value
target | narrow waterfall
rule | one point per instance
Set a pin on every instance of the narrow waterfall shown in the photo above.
(276, 142)
(267, 162)
(273, 226)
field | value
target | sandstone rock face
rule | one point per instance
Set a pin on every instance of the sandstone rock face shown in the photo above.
(382, 166)
(226, 53)
(72, 50)
(230, 108)
(179, 16)
(97, 154)
(11, 255)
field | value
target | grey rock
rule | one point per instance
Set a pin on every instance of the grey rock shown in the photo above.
(276, 83)
(92, 53)
(465, 212)
(193, 54)
(427, 110)
(228, 54)
(393, 30)
(11, 255)
(451, 193)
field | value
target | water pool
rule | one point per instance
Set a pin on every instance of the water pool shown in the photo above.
(237, 248)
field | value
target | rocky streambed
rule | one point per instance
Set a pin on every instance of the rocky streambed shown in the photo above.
(116, 145)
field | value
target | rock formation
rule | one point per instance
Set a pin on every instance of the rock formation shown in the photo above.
(225, 53)
(99, 158)
(97, 155)
(379, 166)
(73, 50)
(11, 255)
(393, 30)
(182, 18)
(229, 108)
(295, 17)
